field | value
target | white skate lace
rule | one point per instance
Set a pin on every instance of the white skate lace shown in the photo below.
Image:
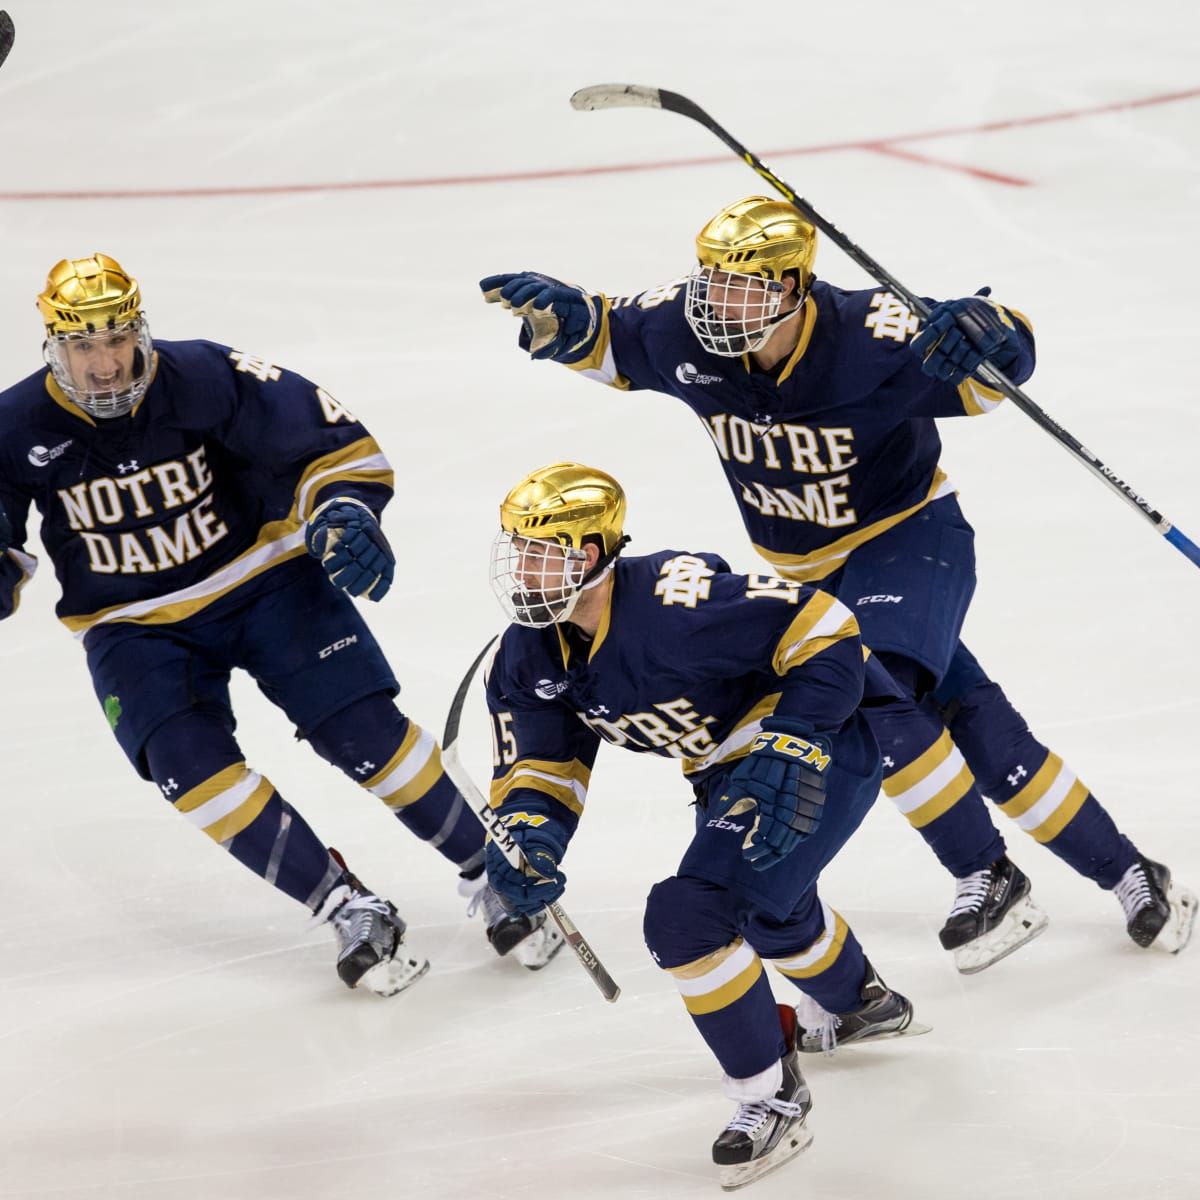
(353, 920)
(814, 1018)
(493, 910)
(749, 1117)
(971, 891)
(1133, 891)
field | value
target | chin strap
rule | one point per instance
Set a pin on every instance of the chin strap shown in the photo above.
(603, 564)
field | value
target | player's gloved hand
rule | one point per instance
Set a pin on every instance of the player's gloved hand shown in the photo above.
(557, 319)
(529, 889)
(960, 334)
(347, 539)
(6, 533)
(785, 773)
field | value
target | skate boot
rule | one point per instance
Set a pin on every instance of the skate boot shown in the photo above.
(533, 940)
(883, 1014)
(1157, 912)
(370, 936)
(993, 915)
(764, 1134)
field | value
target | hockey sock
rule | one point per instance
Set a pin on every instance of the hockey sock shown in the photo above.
(198, 766)
(829, 965)
(928, 780)
(1034, 787)
(394, 758)
(690, 930)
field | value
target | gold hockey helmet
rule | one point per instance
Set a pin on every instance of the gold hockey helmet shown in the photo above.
(86, 295)
(759, 236)
(566, 502)
(539, 565)
(736, 295)
(98, 344)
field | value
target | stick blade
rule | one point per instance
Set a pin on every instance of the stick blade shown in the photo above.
(615, 95)
(7, 35)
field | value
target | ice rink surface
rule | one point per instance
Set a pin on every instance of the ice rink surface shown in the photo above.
(322, 184)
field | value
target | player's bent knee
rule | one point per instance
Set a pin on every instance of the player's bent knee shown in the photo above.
(685, 919)
(189, 748)
(361, 731)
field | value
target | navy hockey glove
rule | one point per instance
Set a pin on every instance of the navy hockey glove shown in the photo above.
(543, 845)
(558, 320)
(785, 773)
(347, 539)
(960, 334)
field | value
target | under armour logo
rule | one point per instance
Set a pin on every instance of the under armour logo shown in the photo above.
(169, 787)
(598, 711)
(1016, 776)
(365, 767)
(131, 465)
(888, 762)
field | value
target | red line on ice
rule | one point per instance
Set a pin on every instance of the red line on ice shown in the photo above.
(889, 145)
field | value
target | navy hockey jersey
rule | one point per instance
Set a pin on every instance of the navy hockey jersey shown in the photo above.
(203, 489)
(833, 448)
(687, 662)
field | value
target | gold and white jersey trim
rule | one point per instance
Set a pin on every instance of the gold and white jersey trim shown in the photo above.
(817, 564)
(564, 782)
(361, 461)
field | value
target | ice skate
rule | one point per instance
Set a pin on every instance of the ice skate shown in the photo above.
(883, 1014)
(993, 915)
(370, 936)
(765, 1134)
(532, 940)
(1158, 912)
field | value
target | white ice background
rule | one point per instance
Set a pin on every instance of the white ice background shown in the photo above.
(168, 1029)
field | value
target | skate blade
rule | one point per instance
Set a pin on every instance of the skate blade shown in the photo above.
(913, 1029)
(1021, 924)
(796, 1141)
(535, 951)
(394, 975)
(1177, 932)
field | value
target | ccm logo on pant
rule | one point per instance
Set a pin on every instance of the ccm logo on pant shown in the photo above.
(338, 645)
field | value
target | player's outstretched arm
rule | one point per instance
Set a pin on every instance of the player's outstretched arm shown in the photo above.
(344, 534)
(960, 334)
(559, 321)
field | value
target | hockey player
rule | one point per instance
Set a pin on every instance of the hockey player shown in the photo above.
(205, 510)
(754, 683)
(821, 405)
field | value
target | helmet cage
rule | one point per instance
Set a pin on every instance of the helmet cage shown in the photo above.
(101, 403)
(537, 582)
(732, 313)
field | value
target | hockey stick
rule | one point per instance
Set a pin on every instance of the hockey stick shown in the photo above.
(501, 836)
(7, 35)
(632, 95)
